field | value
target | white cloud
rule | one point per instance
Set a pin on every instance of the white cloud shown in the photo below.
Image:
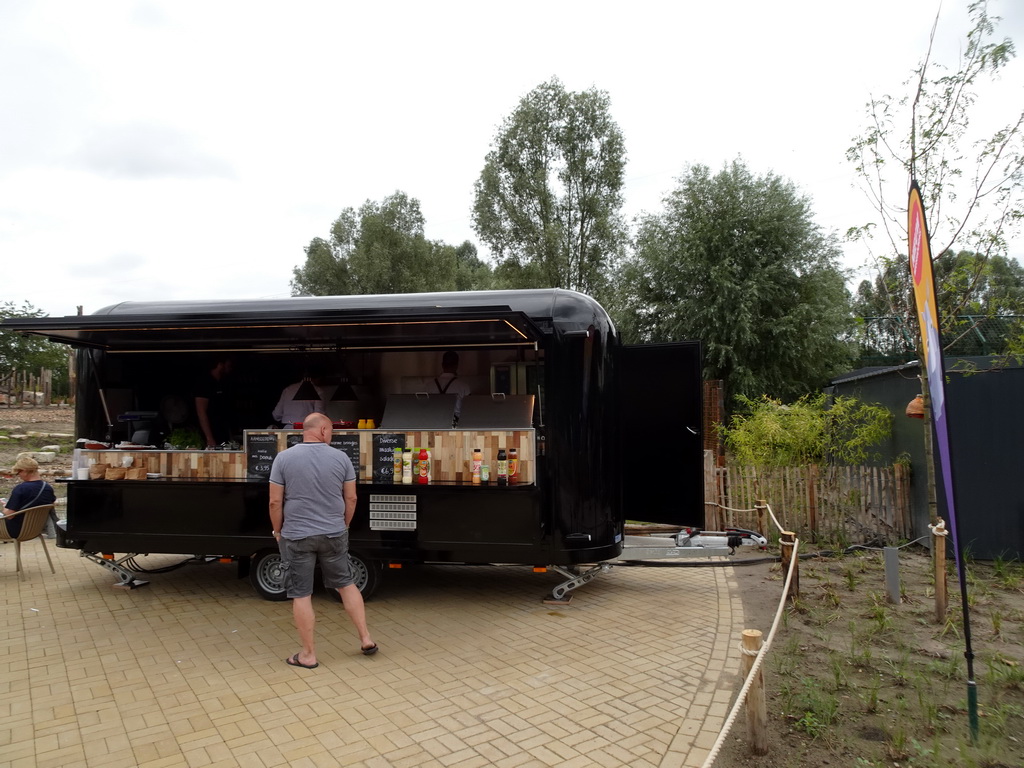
(145, 152)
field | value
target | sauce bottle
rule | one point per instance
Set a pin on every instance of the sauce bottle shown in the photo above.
(478, 461)
(397, 476)
(424, 475)
(485, 474)
(407, 466)
(416, 464)
(513, 466)
(502, 467)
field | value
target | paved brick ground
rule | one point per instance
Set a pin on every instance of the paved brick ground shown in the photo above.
(474, 670)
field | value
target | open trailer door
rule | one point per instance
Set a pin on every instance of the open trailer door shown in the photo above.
(661, 447)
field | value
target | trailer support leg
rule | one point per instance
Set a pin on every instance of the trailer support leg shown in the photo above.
(125, 578)
(574, 579)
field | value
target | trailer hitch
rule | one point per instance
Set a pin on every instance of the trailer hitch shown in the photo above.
(125, 578)
(575, 578)
(730, 537)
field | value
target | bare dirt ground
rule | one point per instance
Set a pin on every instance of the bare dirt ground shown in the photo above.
(853, 680)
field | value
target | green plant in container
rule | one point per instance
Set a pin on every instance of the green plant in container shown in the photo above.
(184, 439)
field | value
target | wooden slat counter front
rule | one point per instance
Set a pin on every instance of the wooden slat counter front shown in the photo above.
(189, 464)
(451, 454)
(451, 450)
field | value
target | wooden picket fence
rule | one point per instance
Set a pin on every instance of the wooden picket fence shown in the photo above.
(828, 503)
(24, 388)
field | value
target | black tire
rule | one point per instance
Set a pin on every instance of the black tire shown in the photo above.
(367, 573)
(267, 576)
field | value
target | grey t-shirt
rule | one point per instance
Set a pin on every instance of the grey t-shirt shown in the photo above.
(312, 475)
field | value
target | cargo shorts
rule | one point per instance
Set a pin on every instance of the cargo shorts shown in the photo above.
(300, 556)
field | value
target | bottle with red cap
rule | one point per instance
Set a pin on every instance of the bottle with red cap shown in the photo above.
(424, 463)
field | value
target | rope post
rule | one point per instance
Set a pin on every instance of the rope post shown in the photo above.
(720, 511)
(891, 557)
(812, 500)
(757, 709)
(762, 505)
(939, 534)
(786, 541)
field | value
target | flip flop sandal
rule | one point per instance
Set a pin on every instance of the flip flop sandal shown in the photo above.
(370, 651)
(294, 662)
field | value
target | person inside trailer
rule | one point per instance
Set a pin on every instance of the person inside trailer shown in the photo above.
(214, 408)
(448, 383)
(290, 411)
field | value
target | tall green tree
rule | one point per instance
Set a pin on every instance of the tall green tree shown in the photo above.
(549, 197)
(20, 352)
(381, 248)
(971, 174)
(736, 261)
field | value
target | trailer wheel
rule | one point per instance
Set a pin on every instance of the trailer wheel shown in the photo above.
(367, 573)
(267, 575)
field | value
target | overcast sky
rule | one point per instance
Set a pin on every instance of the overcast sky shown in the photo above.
(190, 149)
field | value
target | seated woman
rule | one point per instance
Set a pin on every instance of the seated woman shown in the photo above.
(32, 491)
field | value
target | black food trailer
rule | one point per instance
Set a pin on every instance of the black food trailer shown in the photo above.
(602, 431)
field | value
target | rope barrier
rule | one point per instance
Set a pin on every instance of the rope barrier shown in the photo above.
(774, 518)
(742, 697)
(729, 509)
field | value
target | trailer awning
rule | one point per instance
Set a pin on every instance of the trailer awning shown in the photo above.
(291, 329)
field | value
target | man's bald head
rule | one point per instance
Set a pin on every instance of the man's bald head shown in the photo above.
(313, 426)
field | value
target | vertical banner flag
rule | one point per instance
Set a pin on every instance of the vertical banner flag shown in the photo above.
(931, 343)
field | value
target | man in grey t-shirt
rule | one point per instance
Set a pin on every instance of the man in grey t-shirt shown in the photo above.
(312, 503)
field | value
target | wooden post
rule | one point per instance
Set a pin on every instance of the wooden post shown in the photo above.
(762, 508)
(812, 500)
(939, 559)
(724, 484)
(711, 499)
(72, 376)
(787, 540)
(903, 499)
(757, 710)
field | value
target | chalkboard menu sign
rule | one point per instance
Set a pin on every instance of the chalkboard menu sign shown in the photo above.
(347, 443)
(350, 445)
(384, 456)
(260, 451)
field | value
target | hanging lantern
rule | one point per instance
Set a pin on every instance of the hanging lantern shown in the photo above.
(915, 408)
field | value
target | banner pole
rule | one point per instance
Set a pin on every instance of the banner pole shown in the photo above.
(926, 301)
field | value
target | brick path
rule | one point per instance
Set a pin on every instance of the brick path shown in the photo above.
(474, 670)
